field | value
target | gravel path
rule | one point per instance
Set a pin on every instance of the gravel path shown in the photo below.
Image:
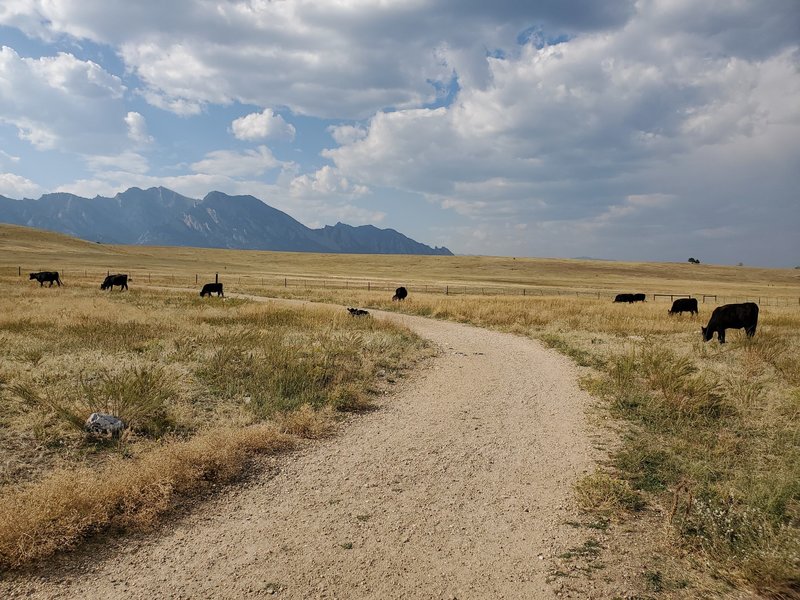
(458, 487)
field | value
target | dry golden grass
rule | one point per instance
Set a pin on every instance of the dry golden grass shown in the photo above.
(35, 250)
(195, 380)
(712, 432)
(57, 512)
(605, 495)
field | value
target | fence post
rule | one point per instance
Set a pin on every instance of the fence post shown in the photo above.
(447, 290)
(216, 279)
(19, 271)
(195, 278)
(368, 286)
(285, 284)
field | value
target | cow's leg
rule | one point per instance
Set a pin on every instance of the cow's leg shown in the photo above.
(721, 335)
(751, 331)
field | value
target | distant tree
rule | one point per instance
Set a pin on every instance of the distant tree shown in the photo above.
(694, 261)
(740, 264)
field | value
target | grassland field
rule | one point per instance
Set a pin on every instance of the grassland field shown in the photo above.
(710, 432)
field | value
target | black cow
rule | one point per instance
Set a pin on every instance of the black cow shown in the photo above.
(44, 276)
(120, 279)
(357, 312)
(682, 305)
(212, 288)
(630, 298)
(400, 293)
(732, 316)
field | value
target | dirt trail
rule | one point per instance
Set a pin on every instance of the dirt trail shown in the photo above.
(458, 487)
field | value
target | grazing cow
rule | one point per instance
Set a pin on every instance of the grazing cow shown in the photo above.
(630, 298)
(357, 312)
(44, 276)
(400, 293)
(682, 305)
(120, 279)
(212, 288)
(732, 316)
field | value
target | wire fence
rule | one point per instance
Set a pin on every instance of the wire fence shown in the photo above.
(271, 281)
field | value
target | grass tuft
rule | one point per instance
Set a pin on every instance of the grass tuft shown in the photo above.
(606, 495)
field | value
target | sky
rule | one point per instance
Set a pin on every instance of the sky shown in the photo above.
(645, 130)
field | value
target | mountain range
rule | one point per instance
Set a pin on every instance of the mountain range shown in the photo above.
(160, 217)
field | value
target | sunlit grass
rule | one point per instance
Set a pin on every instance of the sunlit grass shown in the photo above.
(194, 380)
(711, 431)
(714, 430)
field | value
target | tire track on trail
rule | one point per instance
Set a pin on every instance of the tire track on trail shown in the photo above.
(459, 486)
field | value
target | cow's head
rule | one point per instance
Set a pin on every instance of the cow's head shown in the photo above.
(707, 333)
(33, 276)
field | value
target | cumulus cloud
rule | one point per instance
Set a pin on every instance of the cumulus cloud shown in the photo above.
(655, 120)
(346, 134)
(137, 129)
(587, 132)
(237, 164)
(259, 126)
(16, 186)
(326, 59)
(327, 181)
(61, 102)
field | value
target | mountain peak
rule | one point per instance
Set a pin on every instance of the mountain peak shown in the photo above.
(160, 216)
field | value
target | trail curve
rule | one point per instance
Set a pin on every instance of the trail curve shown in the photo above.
(459, 486)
